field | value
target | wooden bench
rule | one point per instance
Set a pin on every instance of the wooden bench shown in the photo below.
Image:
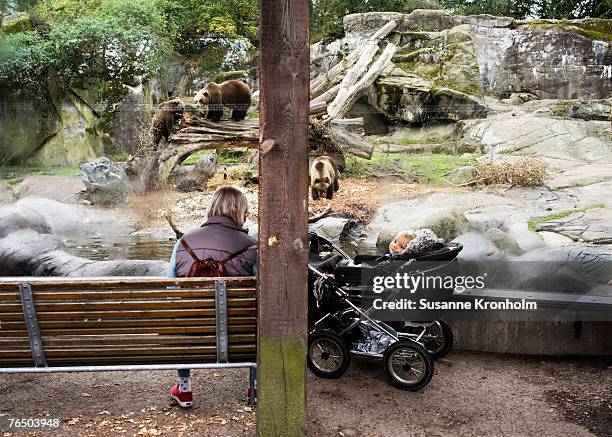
(103, 324)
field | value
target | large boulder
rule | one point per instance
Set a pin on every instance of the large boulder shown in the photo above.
(415, 100)
(426, 20)
(60, 188)
(27, 121)
(105, 182)
(61, 219)
(28, 253)
(541, 134)
(553, 59)
(568, 59)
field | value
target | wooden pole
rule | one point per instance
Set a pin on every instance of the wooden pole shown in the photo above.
(283, 214)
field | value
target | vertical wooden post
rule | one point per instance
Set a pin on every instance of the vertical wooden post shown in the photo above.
(283, 216)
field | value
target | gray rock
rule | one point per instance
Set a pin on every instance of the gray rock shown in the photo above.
(590, 109)
(552, 239)
(105, 182)
(26, 122)
(416, 100)
(6, 193)
(519, 58)
(418, 20)
(28, 253)
(332, 227)
(73, 221)
(581, 175)
(595, 194)
(14, 218)
(448, 215)
(461, 175)
(591, 226)
(194, 178)
(541, 135)
(60, 188)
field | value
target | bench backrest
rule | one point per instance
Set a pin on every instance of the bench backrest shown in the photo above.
(113, 321)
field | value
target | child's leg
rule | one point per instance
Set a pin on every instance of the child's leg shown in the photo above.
(184, 380)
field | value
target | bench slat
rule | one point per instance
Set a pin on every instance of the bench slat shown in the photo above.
(124, 283)
(162, 330)
(128, 304)
(114, 350)
(126, 323)
(76, 315)
(104, 340)
(42, 296)
(120, 359)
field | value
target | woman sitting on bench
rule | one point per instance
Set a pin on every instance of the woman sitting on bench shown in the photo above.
(220, 247)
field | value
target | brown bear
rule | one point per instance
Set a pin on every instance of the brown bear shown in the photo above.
(323, 178)
(232, 94)
(166, 114)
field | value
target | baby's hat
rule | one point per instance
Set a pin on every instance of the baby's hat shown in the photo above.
(425, 240)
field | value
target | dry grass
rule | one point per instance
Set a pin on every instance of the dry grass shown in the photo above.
(526, 172)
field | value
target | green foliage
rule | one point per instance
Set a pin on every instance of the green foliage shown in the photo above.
(103, 49)
(24, 59)
(115, 40)
(557, 9)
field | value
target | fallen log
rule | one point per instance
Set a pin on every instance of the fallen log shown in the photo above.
(350, 142)
(342, 104)
(318, 108)
(333, 76)
(328, 96)
(354, 73)
(358, 121)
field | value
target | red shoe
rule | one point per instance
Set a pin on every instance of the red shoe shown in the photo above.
(184, 399)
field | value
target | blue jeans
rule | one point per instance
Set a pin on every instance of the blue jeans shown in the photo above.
(184, 373)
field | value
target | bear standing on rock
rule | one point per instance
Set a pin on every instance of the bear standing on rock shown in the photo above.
(232, 94)
(166, 114)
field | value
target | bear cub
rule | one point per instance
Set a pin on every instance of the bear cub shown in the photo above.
(232, 94)
(323, 178)
(166, 115)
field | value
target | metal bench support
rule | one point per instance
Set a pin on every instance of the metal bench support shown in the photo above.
(29, 314)
(252, 395)
(221, 314)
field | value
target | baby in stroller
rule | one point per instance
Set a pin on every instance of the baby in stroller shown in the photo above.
(342, 327)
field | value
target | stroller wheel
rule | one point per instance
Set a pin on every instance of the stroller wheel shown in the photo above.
(408, 365)
(328, 355)
(438, 339)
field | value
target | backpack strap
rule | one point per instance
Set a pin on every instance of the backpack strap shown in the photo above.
(190, 250)
(234, 255)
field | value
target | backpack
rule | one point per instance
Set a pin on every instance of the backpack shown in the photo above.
(209, 267)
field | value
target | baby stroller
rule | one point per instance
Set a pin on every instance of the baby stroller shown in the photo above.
(339, 326)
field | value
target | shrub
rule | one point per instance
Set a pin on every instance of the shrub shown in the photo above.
(24, 59)
(526, 172)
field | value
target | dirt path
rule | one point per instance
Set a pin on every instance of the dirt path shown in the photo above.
(471, 394)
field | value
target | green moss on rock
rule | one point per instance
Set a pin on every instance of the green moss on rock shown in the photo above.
(16, 24)
(597, 29)
(229, 75)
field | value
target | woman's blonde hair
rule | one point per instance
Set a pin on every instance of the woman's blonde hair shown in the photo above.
(229, 201)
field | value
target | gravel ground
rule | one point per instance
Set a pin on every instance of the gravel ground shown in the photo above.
(471, 394)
